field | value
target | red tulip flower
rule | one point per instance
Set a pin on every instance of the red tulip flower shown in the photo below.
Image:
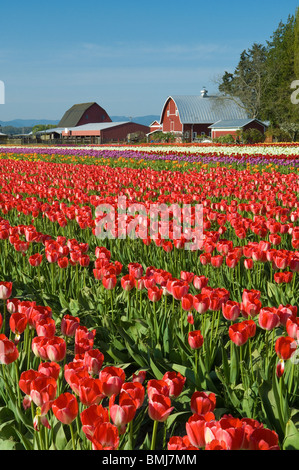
(65, 408)
(202, 402)
(69, 324)
(175, 382)
(92, 416)
(26, 378)
(263, 439)
(18, 323)
(49, 369)
(283, 277)
(123, 412)
(5, 290)
(231, 310)
(187, 302)
(93, 359)
(127, 282)
(292, 327)
(238, 333)
(8, 351)
(46, 327)
(157, 386)
(43, 390)
(268, 318)
(195, 428)
(159, 407)
(201, 303)
(56, 349)
(105, 437)
(35, 260)
(112, 379)
(285, 347)
(90, 391)
(109, 282)
(195, 339)
(136, 391)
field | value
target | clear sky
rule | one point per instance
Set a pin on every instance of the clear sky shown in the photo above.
(127, 56)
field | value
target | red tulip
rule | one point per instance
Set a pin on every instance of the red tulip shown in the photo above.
(90, 391)
(238, 333)
(8, 351)
(175, 382)
(201, 303)
(46, 327)
(43, 390)
(285, 347)
(263, 439)
(292, 327)
(35, 260)
(105, 437)
(65, 408)
(136, 391)
(109, 282)
(49, 369)
(179, 443)
(18, 322)
(231, 310)
(5, 290)
(157, 386)
(268, 318)
(159, 407)
(283, 277)
(195, 428)
(69, 324)
(56, 349)
(127, 282)
(112, 379)
(124, 412)
(154, 293)
(91, 417)
(200, 281)
(93, 359)
(202, 402)
(195, 339)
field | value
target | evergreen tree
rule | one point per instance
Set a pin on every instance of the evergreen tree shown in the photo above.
(296, 45)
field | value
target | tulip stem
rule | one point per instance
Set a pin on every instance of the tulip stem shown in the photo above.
(154, 436)
(73, 436)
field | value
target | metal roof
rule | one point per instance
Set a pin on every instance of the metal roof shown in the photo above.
(198, 109)
(233, 123)
(73, 115)
(95, 126)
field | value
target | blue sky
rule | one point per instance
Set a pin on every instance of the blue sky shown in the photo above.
(127, 56)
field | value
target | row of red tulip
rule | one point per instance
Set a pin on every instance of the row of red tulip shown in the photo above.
(91, 383)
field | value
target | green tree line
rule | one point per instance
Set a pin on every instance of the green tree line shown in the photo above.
(262, 80)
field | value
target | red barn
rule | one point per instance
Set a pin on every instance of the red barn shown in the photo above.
(83, 113)
(225, 127)
(106, 131)
(191, 116)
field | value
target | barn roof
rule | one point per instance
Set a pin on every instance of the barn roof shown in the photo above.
(198, 109)
(234, 123)
(96, 126)
(73, 115)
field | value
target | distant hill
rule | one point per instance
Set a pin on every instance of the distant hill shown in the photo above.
(20, 123)
(27, 122)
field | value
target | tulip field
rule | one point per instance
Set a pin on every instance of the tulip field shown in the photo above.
(154, 341)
